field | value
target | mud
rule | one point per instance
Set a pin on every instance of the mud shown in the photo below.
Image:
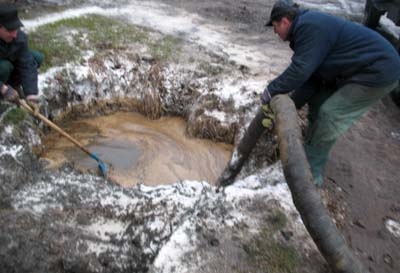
(139, 150)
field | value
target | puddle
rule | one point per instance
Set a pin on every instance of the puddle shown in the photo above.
(139, 150)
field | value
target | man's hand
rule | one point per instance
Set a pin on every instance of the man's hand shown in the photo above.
(9, 93)
(32, 101)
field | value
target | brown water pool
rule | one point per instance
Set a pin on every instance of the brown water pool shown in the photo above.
(139, 150)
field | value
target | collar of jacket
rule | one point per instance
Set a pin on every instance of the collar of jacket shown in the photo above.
(294, 23)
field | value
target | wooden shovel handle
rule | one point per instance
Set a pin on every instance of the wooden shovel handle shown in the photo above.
(26, 106)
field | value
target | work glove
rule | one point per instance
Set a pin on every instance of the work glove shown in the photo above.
(32, 101)
(268, 120)
(269, 117)
(10, 94)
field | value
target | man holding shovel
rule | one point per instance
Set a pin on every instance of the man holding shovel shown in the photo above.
(18, 69)
(339, 68)
(18, 64)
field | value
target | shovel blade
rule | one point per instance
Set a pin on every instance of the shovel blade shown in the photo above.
(102, 165)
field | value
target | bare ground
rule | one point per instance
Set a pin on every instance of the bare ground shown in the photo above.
(362, 180)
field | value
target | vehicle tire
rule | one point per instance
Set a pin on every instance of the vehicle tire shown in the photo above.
(371, 15)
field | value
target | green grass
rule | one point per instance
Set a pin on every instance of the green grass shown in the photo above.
(65, 40)
(267, 253)
(14, 116)
(166, 48)
(274, 257)
(277, 220)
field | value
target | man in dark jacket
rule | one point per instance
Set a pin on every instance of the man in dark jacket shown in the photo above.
(339, 68)
(18, 64)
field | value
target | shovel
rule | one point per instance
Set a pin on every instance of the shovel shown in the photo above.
(102, 166)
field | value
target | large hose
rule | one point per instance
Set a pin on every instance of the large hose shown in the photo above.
(305, 196)
(297, 173)
(242, 150)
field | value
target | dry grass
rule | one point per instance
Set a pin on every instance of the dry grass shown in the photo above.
(210, 128)
(152, 104)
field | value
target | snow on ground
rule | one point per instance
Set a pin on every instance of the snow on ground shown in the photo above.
(44, 196)
(390, 27)
(41, 196)
(190, 27)
(184, 199)
(393, 227)
(12, 151)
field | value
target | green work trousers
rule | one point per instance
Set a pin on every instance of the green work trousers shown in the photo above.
(7, 68)
(331, 113)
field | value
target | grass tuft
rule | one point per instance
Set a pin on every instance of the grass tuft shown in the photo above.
(14, 116)
(269, 254)
(65, 40)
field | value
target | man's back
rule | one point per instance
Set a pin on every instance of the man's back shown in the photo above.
(346, 51)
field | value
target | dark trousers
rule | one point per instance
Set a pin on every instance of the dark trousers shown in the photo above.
(8, 74)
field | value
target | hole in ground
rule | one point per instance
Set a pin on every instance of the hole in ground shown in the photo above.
(138, 150)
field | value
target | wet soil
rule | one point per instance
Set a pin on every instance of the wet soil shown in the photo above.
(361, 188)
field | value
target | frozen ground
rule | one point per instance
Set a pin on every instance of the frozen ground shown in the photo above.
(370, 145)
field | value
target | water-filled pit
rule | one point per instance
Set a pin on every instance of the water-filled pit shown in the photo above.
(138, 150)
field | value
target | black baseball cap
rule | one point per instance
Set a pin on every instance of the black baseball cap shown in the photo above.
(9, 17)
(280, 9)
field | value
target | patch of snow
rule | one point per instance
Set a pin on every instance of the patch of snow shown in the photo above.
(10, 150)
(393, 227)
(390, 27)
(169, 258)
(396, 135)
(8, 129)
(43, 79)
(106, 228)
(339, 7)
(251, 187)
(31, 25)
(33, 138)
(241, 92)
(219, 115)
(100, 247)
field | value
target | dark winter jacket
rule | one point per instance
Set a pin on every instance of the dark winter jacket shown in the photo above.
(17, 52)
(331, 50)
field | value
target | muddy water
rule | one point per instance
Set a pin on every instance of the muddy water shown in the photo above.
(138, 150)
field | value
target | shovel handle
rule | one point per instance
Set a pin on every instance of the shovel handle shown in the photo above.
(26, 106)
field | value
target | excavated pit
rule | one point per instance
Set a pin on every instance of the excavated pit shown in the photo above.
(138, 150)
